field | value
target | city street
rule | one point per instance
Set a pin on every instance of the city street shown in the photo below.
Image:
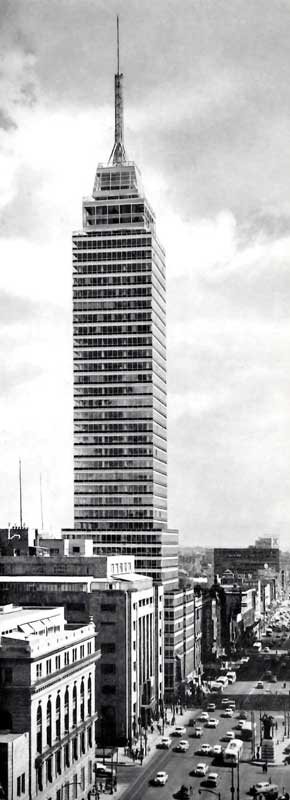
(180, 766)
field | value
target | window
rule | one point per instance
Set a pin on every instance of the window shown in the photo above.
(48, 723)
(107, 689)
(111, 607)
(89, 696)
(58, 762)
(66, 755)
(66, 658)
(89, 648)
(74, 654)
(38, 670)
(57, 662)
(57, 717)
(49, 770)
(21, 784)
(39, 729)
(75, 786)
(90, 772)
(108, 669)
(66, 710)
(82, 706)
(39, 779)
(82, 651)
(83, 779)
(90, 736)
(75, 705)
(108, 647)
(75, 748)
(48, 666)
(8, 675)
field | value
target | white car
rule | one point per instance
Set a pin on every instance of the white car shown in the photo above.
(260, 685)
(212, 779)
(229, 735)
(225, 701)
(204, 716)
(180, 730)
(197, 732)
(164, 743)
(216, 750)
(205, 749)
(160, 779)
(201, 770)
(212, 723)
(241, 724)
(211, 707)
(228, 712)
(182, 746)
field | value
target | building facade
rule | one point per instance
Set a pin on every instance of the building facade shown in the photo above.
(246, 561)
(47, 674)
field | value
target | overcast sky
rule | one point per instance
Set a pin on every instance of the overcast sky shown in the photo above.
(207, 119)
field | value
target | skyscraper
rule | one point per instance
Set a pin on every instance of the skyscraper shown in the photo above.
(119, 331)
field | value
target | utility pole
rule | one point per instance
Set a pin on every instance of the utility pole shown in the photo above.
(238, 777)
(20, 493)
(232, 784)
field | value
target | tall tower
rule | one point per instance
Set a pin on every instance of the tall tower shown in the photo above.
(120, 439)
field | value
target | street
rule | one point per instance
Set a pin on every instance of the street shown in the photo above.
(180, 766)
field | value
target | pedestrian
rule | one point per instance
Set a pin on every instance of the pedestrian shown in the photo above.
(141, 759)
(152, 728)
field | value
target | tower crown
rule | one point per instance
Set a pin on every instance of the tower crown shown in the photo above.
(118, 154)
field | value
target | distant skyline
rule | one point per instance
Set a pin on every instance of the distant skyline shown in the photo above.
(207, 120)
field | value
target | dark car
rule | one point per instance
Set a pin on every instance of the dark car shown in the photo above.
(184, 793)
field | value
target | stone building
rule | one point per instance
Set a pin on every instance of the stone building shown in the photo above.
(47, 694)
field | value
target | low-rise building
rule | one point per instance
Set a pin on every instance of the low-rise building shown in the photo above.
(47, 694)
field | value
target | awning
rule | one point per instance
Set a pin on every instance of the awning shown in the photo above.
(26, 628)
(37, 626)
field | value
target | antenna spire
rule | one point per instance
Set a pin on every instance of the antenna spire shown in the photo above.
(20, 493)
(118, 154)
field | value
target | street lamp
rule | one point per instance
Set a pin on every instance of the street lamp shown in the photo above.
(212, 791)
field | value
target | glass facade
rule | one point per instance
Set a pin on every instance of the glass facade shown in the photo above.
(119, 330)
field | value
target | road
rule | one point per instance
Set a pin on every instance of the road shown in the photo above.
(179, 767)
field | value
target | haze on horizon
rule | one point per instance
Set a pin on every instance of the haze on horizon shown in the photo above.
(207, 120)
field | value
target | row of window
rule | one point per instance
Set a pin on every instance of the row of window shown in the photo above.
(63, 659)
(76, 706)
(62, 760)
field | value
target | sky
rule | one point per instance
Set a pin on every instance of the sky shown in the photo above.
(207, 119)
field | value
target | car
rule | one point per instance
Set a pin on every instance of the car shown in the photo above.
(273, 679)
(267, 649)
(228, 712)
(260, 685)
(182, 746)
(160, 779)
(225, 701)
(241, 724)
(201, 769)
(212, 779)
(180, 730)
(191, 722)
(212, 723)
(216, 750)
(264, 787)
(205, 749)
(243, 715)
(245, 660)
(211, 707)
(184, 792)
(203, 717)
(231, 704)
(102, 770)
(229, 735)
(164, 743)
(197, 732)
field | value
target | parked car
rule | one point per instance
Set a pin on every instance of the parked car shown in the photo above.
(212, 779)
(228, 712)
(259, 685)
(203, 717)
(229, 735)
(205, 749)
(184, 792)
(197, 732)
(211, 707)
(243, 715)
(201, 770)
(160, 779)
(216, 750)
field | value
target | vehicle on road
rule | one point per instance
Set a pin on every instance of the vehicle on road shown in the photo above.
(197, 732)
(231, 676)
(216, 687)
(247, 731)
(257, 647)
(241, 724)
(184, 792)
(203, 717)
(223, 680)
(243, 715)
(212, 779)
(260, 685)
(102, 770)
(228, 712)
(233, 752)
(229, 735)
(266, 789)
(160, 779)
(212, 723)
(180, 730)
(216, 750)
(164, 743)
(201, 769)
(205, 750)
(191, 722)
(211, 707)
(182, 746)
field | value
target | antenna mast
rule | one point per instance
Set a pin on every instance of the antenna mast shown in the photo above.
(118, 154)
(41, 502)
(20, 493)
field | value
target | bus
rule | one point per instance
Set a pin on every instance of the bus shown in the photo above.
(233, 751)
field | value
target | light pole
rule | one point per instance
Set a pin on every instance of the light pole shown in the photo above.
(212, 791)
(238, 777)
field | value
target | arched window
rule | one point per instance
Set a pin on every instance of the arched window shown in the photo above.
(89, 696)
(57, 717)
(66, 709)
(39, 729)
(82, 707)
(48, 722)
(75, 705)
